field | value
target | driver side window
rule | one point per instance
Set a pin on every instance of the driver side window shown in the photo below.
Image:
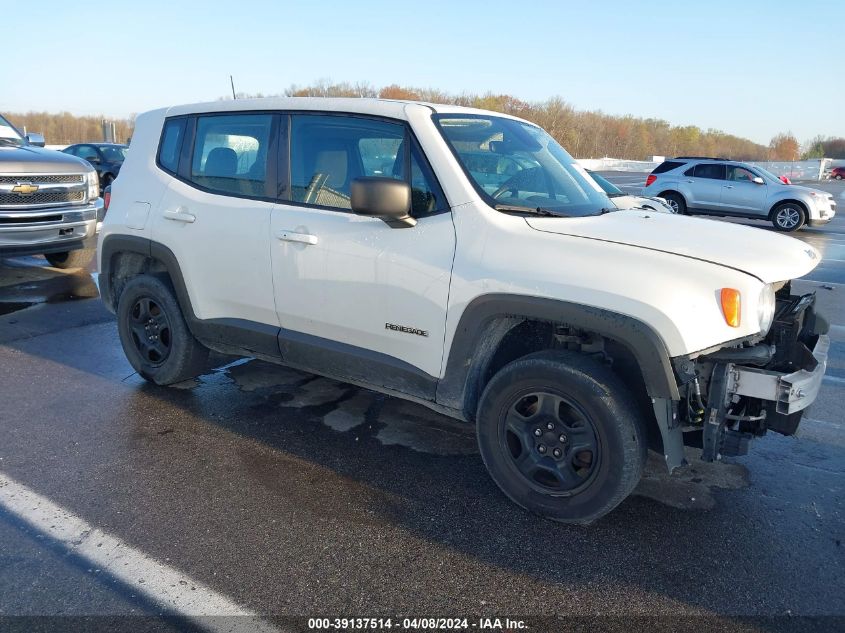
(740, 174)
(329, 151)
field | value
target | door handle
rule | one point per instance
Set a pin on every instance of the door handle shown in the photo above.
(729, 186)
(690, 181)
(302, 238)
(180, 216)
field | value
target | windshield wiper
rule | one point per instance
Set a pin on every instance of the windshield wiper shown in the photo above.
(604, 210)
(10, 141)
(541, 211)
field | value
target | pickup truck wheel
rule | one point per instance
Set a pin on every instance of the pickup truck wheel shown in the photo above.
(676, 201)
(71, 259)
(561, 436)
(154, 335)
(788, 217)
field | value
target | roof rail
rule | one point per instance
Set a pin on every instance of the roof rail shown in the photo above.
(699, 158)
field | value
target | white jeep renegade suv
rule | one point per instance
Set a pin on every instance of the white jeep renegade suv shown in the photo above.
(460, 259)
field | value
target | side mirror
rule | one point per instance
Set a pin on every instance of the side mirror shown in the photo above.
(384, 198)
(757, 180)
(35, 139)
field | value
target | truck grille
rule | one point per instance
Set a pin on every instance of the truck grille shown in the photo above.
(49, 190)
(61, 197)
(37, 179)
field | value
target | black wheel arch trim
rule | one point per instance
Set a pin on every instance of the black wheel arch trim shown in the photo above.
(225, 335)
(487, 319)
(241, 337)
(482, 326)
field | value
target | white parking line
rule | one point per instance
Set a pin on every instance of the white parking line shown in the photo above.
(165, 585)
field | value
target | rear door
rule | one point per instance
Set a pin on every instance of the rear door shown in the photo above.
(704, 183)
(215, 219)
(740, 194)
(355, 297)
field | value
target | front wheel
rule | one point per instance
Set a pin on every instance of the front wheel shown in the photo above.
(838, 177)
(788, 217)
(561, 436)
(71, 259)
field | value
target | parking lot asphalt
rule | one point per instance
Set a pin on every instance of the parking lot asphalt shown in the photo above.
(264, 492)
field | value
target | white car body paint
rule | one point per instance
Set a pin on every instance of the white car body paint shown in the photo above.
(664, 270)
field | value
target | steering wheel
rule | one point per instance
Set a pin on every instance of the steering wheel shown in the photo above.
(519, 179)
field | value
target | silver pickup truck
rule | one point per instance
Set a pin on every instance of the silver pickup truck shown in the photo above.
(49, 201)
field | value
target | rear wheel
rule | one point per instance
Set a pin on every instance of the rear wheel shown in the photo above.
(154, 335)
(676, 201)
(838, 176)
(71, 259)
(561, 436)
(788, 217)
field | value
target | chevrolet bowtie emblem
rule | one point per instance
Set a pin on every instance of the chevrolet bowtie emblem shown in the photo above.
(24, 188)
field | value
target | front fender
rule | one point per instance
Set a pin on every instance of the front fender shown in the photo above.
(487, 319)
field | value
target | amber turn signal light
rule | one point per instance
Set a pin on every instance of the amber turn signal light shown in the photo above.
(731, 306)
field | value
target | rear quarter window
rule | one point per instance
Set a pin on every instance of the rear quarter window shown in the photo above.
(668, 165)
(170, 145)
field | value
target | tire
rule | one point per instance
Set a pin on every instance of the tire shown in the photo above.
(154, 335)
(676, 201)
(588, 408)
(788, 217)
(71, 259)
(838, 177)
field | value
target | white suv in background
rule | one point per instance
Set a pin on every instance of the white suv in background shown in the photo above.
(460, 259)
(716, 186)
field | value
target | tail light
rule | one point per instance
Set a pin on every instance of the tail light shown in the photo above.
(651, 178)
(106, 199)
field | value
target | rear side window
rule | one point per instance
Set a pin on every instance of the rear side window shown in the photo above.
(665, 166)
(171, 144)
(230, 153)
(709, 170)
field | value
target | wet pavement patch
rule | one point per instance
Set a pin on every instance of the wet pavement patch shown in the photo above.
(395, 422)
(8, 307)
(48, 287)
(690, 487)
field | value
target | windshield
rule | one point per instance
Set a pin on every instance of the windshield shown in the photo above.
(113, 153)
(768, 174)
(609, 188)
(9, 135)
(519, 166)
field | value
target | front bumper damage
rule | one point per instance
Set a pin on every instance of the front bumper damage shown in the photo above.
(755, 387)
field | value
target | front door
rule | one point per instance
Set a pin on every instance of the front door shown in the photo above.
(356, 298)
(740, 194)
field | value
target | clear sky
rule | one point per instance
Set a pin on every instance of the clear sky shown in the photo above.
(749, 68)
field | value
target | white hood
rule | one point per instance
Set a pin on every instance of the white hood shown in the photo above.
(768, 256)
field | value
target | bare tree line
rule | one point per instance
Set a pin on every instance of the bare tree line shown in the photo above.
(64, 128)
(585, 134)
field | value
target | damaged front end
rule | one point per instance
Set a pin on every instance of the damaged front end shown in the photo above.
(731, 395)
